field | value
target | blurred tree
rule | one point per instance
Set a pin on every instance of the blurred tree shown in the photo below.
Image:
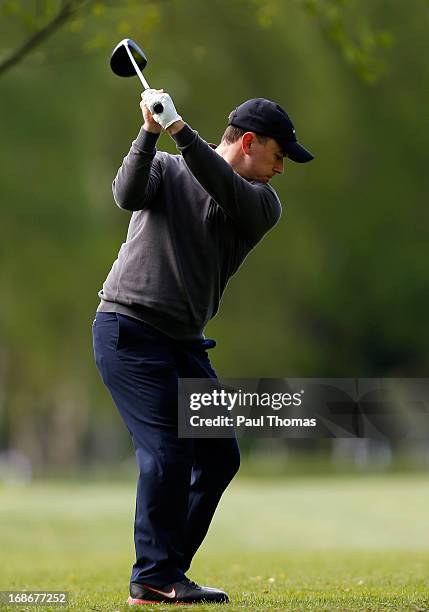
(41, 21)
(340, 286)
(360, 43)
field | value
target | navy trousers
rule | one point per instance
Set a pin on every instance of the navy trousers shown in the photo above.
(180, 480)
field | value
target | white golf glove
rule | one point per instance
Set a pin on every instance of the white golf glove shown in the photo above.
(168, 116)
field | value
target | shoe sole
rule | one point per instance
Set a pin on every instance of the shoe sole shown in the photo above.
(144, 602)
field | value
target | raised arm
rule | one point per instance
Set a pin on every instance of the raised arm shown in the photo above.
(253, 206)
(139, 176)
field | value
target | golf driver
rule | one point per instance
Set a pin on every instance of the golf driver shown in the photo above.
(127, 59)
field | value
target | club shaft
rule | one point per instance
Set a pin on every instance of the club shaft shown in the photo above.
(137, 69)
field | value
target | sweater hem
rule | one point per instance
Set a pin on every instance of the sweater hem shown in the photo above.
(143, 313)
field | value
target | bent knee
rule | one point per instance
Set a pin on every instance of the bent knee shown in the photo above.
(227, 464)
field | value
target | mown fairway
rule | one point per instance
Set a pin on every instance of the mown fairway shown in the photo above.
(308, 544)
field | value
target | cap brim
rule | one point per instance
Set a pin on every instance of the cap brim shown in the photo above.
(298, 153)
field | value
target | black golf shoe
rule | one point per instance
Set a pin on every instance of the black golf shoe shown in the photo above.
(183, 592)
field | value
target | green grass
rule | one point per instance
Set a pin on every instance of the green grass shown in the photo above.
(311, 544)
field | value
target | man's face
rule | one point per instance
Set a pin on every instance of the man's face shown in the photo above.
(262, 160)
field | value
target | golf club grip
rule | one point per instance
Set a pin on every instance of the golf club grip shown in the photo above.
(158, 108)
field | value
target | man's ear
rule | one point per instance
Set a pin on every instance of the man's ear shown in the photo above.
(247, 140)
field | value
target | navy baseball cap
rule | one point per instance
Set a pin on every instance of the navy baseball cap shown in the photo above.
(269, 119)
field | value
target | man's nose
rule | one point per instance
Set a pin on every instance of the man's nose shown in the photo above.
(279, 167)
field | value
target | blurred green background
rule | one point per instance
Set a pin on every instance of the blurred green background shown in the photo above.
(339, 288)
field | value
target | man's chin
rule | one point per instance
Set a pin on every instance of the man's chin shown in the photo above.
(258, 179)
(261, 179)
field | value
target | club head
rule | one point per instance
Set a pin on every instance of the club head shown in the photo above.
(120, 62)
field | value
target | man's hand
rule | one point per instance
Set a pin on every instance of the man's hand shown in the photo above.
(169, 115)
(150, 125)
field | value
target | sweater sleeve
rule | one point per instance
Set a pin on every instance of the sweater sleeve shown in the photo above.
(137, 180)
(253, 206)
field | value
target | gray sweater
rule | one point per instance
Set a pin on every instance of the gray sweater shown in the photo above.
(194, 221)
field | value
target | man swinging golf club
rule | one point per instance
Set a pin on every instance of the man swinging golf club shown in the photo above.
(195, 218)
